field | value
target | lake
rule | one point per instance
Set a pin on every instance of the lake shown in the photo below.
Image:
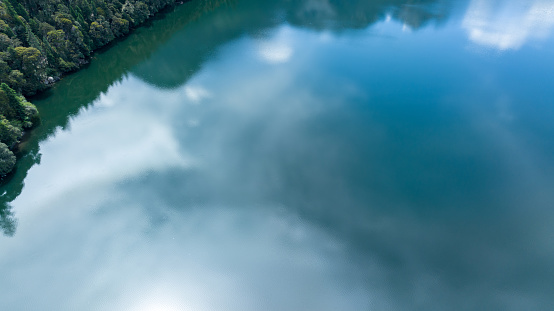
(294, 155)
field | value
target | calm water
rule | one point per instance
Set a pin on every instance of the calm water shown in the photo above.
(295, 155)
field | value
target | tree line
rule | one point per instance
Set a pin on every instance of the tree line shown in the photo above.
(40, 40)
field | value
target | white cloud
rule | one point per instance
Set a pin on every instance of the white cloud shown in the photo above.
(196, 93)
(275, 52)
(278, 49)
(508, 24)
(108, 143)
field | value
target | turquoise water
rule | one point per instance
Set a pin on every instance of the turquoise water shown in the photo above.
(295, 155)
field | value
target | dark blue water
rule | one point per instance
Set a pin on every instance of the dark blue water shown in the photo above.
(295, 155)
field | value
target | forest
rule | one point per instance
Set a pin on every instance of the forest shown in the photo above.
(40, 40)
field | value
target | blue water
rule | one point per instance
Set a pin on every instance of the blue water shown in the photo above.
(304, 155)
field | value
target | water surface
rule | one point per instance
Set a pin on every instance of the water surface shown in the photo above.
(295, 155)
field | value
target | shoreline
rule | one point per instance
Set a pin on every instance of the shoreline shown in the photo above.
(17, 149)
(87, 60)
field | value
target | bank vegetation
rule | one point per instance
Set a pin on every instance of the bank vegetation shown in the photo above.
(40, 40)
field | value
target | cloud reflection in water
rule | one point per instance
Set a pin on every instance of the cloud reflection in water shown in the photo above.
(507, 25)
(297, 184)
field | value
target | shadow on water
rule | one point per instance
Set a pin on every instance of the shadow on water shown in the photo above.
(135, 54)
(258, 18)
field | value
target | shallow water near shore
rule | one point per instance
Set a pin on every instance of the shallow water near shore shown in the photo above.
(295, 155)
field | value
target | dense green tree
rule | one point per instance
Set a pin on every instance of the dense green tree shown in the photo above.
(9, 134)
(42, 39)
(7, 159)
(56, 36)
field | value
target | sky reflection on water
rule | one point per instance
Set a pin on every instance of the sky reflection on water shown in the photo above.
(312, 161)
(508, 25)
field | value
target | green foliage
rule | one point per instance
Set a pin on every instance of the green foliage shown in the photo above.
(7, 159)
(9, 134)
(41, 40)
(14, 108)
(16, 114)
